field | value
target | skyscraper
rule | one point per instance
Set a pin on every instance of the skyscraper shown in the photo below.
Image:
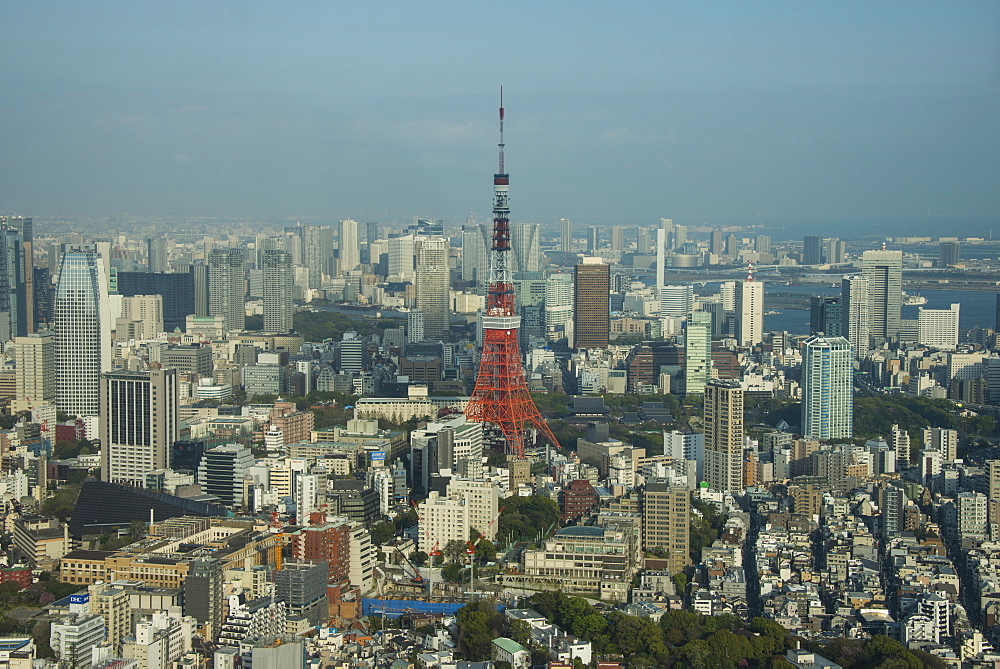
(591, 239)
(565, 235)
(617, 238)
(698, 352)
(13, 291)
(139, 424)
(827, 388)
(156, 255)
(226, 287)
(200, 289)
(278, 307)
(524, 242)
(433, 283)
(35, 377)
(716, 242)
(317, 251)
(749, 312)
(24, 226)
(950, 253)
(591, 295)
(812, 250)
(855, 313)
(723, 423)
(825, 316)
(475, 261)
(762, 244)
(558, 305)
(666, 512)
(83, 337)
(349, 246)
(938, 327)
(884, 271)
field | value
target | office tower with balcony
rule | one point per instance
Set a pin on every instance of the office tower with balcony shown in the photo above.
(278, 306)
(827, 388)
(227, 287)
(348, 246)
(666, 511)
(698, 352)
(475, 259)
(749, 299)
(317, 253)
(591, 297)
(884, 271)
(139, 424)
(565, 235)
(433, 284)
(723, 424)
(812, 250)
(855, 312)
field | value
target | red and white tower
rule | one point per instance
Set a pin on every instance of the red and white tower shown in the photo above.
(501, 396)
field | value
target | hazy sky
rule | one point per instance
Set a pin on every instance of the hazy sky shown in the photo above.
(616, 112)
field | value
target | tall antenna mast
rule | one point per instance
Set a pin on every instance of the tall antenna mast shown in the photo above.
(501, 170)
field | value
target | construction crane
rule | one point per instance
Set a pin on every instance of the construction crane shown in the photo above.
(417, 578)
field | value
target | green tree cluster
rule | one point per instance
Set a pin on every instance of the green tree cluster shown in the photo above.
(681, 639)
(62, 502)
(479, 623)
(879, 651)
(705, 529)
(524, 517)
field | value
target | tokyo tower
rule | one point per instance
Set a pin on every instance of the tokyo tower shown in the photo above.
(501, 396)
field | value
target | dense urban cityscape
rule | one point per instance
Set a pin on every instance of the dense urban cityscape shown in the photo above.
(320, 349)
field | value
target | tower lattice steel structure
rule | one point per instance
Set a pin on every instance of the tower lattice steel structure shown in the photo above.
(501, 396)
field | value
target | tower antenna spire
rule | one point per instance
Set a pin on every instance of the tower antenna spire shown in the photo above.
(501, 144)
(501, 398)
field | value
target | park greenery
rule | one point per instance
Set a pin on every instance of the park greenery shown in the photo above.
(322, 325)
(526, 518)
(679, 639)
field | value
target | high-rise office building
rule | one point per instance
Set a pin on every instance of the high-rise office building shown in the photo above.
(227, 287)
(23, 225)
(827, 388)
(402, 257)
(176, 289)
(565, 235)
(349, 246)
(525, 243)
(156, 255)
(591, 316)
(204, 593)
(317, 252)
(855, 312)
(83, 334)
(200, 290)
(732, 245)
(938, 327)
(44, 297)
(825, 316)
(139, 424)
(475, 256)
(142, 318)
(812, 250)
(698, 352)
(221, 472)
(716, 242)
(723, 424)
(591, 239)
(749, 312)
(558, 305)
(949, 254)
(433, 283)
(278, 306)
(666, 522)
(35, 376)
(617, 238)
(762, 244)
(884, 271)
(676, 301)
(643, 240)
(13, 290)
(834, 251)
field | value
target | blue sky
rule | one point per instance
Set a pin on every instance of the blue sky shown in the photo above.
(789, 112)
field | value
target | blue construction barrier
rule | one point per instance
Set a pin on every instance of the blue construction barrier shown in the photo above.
(394, 608)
